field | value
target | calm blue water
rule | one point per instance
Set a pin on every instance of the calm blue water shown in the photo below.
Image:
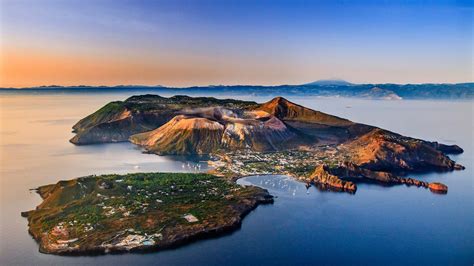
(377, 225)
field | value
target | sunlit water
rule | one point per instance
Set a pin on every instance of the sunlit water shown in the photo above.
(377, 225)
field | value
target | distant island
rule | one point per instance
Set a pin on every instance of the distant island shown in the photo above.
(276, 137)
(323, 88)
(151, 211)
(330, 82)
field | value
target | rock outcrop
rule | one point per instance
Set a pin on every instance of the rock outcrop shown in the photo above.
(322, 176)
(340, 178)
(354, 172)
(438, 188)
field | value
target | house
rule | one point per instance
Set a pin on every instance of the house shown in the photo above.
(190, 218)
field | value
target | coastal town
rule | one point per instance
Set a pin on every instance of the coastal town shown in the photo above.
(296, 163)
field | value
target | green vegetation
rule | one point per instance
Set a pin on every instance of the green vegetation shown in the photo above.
(100, 212)
(106, 113)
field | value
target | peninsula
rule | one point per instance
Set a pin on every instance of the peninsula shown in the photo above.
(138, 212)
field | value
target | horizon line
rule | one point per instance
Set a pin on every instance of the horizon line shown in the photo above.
(236, 85)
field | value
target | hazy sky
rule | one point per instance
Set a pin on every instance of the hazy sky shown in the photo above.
(182, 43)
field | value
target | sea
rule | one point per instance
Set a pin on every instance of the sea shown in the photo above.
(378, 225)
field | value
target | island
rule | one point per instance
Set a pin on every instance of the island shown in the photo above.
(138, 212)
(153, 211)
(276, 137)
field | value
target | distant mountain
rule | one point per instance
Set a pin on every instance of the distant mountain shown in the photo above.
(384, 94)
(330, 82)
(457, 91)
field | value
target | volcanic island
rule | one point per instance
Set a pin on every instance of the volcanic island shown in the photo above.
(154, 211)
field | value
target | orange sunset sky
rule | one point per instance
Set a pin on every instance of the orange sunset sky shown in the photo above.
(226, 42)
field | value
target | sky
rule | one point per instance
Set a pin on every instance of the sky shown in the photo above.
(208, 42)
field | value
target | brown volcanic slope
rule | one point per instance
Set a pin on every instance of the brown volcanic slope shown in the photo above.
(325, 127)
(261, 132)
(288, 111)
(218, 129)
(382, 150)
(182, 135)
